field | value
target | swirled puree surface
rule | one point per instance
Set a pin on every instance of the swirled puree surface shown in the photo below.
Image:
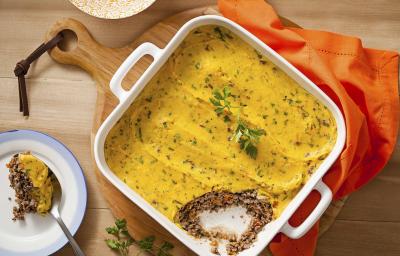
(171, 146)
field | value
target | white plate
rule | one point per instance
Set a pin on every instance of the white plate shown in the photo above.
(39, 235)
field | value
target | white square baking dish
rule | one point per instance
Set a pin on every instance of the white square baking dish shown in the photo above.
(160, 56)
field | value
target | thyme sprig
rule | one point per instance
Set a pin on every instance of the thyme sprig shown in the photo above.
(123, 240)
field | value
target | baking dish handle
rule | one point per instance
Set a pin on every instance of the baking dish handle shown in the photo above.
(133, 58)
(326, 198)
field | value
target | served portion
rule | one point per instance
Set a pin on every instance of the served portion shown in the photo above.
(219, 116)
(29, 177)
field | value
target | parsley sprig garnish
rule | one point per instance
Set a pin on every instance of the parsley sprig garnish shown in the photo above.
(220, 100)
(123, 240)
(246, 137)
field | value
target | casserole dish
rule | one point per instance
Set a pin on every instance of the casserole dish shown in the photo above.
(160, 56)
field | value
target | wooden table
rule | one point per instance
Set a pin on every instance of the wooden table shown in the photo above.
(62, 104)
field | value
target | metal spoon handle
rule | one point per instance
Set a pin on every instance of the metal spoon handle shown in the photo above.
(74, 244)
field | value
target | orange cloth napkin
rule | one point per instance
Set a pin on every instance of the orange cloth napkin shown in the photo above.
(362, 82)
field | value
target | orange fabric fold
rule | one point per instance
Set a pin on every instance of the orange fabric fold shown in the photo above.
(362, 82)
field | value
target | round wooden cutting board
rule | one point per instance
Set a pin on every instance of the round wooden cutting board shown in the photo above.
(101, 63)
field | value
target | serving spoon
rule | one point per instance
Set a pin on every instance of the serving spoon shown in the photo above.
(54, 211)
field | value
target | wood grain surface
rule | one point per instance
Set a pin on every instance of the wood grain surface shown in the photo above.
(62, 100)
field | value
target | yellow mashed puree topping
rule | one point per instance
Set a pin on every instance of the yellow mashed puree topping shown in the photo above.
(38, 172)
(171, 146)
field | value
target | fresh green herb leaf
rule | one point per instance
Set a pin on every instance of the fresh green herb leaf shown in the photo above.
(124, 240)
(220, 100)
(227, 92)
(218, 95)
(219, 110)
(125, 233)
(112, 230)
(252, 151)
(164, 249)
(248, 138)
(146, 244)
(113, 244)
(120, 223)
(215, 102)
